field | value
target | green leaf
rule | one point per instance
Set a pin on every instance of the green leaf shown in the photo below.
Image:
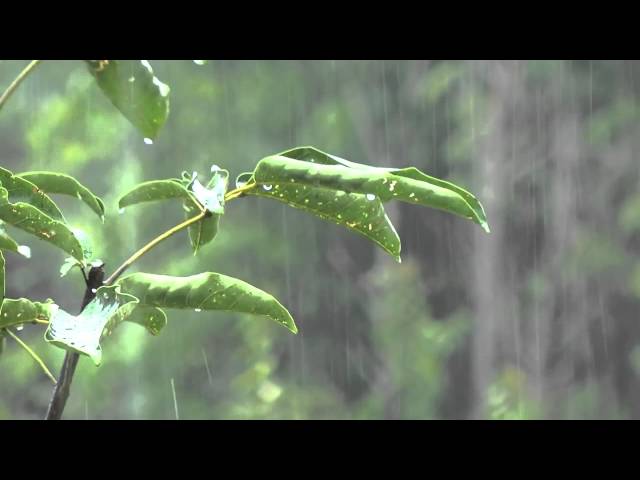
(363, 215)
(204, 231)
(82, 333)
(205, 291)
(153, 191)
(22, 190)
(16, 311)
(68, 264)
(32, 220)
(51, 182)
(135, 91)
(152, 318)
(472, 210)
(8, 243)
(370, 181)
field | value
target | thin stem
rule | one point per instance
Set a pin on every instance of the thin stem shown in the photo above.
(120, 270)
(238, 192)
(33, 354)
(16, 83)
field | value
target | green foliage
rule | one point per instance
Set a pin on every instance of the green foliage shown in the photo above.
(135, 91)
(50, 182)
(205, 291)
(82, 333)
(22, 190)
(22, 310)
(32, 220)
(408, 185)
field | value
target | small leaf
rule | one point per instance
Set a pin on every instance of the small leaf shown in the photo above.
(205, 291)
(82, 333)
(22, 190)
(59, 183)
(8, 243)
(204, 231)
(68, 264)
(135, 91)
(22, 310)
(30, 219)
(153, 191)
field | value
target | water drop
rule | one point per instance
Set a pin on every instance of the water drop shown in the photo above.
(267, 187)
(121, 211)
(24, 251)
(199, 62)
(132, 79)
(20, 328)
(148, 141)
(94, 290)
(371, 196)
(198, 310)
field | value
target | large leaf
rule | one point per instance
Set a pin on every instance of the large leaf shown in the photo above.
(383, 184)
(22, 190)
(205, 291)
(153, 191)
(16, 311)
(365, 215)
(135, 91)
(473, 210)
(32, 220)
(8, 243)
(82, 333)
(51, 182)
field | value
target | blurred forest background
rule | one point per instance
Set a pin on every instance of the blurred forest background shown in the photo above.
(539, 319)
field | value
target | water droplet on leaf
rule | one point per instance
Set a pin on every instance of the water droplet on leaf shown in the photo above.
(148, 141)
(267, 187)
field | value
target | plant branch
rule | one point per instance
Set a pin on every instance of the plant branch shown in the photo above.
(120, 270)
(16, 83)
(33, 354)
(61, 392)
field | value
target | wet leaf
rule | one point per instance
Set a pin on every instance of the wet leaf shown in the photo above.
(384, 184)
(205, 291)
(59, 183)
(16, 311)
(82, 333)
(152, 318)
(134, 90)
(363, 215)
(22, 190)
(153, 191)
(30, 219)
(466, 206)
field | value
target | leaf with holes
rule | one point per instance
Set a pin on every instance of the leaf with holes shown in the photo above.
(134, 90)
(30, 219)
(205, 291)
(408, 185)
(82, 333)
(22, 190)
(59, 183)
